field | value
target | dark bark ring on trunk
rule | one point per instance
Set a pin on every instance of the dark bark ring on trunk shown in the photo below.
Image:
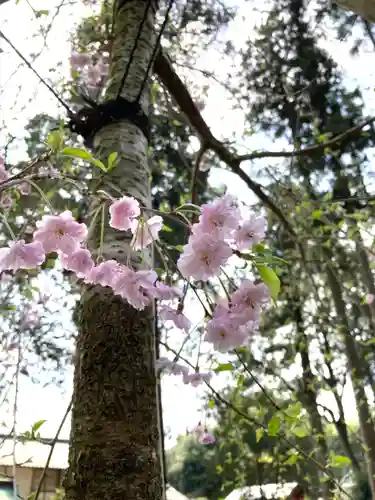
(89, 120)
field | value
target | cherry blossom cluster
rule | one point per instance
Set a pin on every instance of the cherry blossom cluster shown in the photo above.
(91, 69)
(195, 378)
(202, 435)
(369, 298)
(126, 215)
(219, 230)
(62, 234)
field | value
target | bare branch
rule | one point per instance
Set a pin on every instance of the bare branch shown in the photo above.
(175, 86)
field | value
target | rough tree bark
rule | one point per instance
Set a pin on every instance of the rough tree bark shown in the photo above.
(115, 445)
(363, 8)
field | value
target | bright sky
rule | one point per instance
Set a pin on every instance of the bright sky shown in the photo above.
(22, 96)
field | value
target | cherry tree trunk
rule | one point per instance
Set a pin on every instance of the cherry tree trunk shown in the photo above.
(115, 444)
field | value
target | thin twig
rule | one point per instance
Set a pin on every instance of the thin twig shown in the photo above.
(54, 441)
(253, 421)
(29, 65)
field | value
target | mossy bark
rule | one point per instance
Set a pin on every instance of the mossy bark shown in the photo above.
(115, 448)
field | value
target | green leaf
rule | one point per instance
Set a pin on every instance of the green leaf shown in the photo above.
(55, 140)
(49, 263)
(9, 307)
(224, 367)
(274, 425)
(179, 248)
(112, 161)
(167, 229)
(300, 431)
(211, 403)
(154, 92)
(266, 260)
(37, 426)
(271, 279)
(77, 153)
(317, 214)
(258, 248)
(259, 434)
(338, 461)
(98, 163)
(265, 458)
(40, 13)
(294, 410)
(291, 460)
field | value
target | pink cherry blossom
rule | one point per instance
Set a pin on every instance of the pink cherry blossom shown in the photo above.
(123, 212)
(105, 273)
(145, 232)
(162, 363)
(206, 438)
(221, 310)
(93, 75)
(247, 301)
(3, 173)
(80, 262)
(197, 378)
(219, 217)
(369, 298)
(250, 232)
(228, 329)
(24, 188)
(203, 256)
(198, 430)
(134, 285)
(165, 292)
(174, 368)
(79, 60)
(224, 334)
(60, 232)
(179, 319)
(5, 200)
(250, 327)
(21, 255)
(30, 318)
